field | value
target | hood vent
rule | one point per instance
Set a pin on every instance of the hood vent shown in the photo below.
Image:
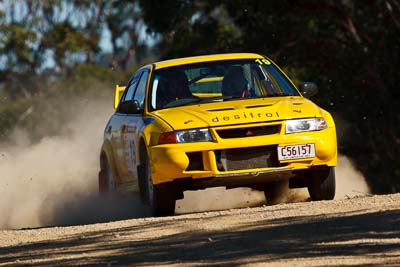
(260, 106)
(220, 109)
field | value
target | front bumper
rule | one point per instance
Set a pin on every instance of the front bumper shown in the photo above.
(206, 161)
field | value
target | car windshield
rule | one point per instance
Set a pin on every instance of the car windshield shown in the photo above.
(217, 81)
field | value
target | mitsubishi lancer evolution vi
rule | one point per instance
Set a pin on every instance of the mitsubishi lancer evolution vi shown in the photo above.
(231, 120)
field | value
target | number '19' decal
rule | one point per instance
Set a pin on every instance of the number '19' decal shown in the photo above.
(263, 61)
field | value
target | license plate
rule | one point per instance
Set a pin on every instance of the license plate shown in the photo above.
(296, 151)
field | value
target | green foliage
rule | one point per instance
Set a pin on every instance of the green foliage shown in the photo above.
(16, 42)
(349, 48)
(63, 38)
(58, 34)
(10, 112)
(43, 114)
(163, 16)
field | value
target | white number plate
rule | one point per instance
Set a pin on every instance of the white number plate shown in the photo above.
(296, 151)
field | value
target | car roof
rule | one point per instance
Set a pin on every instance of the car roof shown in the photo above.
(205, 58)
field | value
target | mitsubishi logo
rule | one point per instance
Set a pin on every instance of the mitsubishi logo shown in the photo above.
(249, 133)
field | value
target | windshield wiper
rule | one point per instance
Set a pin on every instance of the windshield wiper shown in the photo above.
(278, 94)
(203, 100)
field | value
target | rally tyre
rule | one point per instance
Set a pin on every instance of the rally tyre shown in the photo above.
(142, 181)
(276, 192)
(106, 180)
(161, 199)
(322, 185)
(163, 202)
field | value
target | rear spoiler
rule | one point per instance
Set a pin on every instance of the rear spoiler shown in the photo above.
(119, 90)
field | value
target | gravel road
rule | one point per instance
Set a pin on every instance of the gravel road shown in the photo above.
(360, 231)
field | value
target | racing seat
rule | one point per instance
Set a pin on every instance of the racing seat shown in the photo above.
(235, 83)
(174, 85)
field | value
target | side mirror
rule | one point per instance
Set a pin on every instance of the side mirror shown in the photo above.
(119, 90)
(308, 89)
(129, 107)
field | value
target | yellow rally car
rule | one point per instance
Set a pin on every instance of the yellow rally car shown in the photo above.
(233, 120)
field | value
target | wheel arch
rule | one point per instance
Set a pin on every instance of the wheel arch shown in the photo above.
(106, 155)
(142, 149)
(141, 170)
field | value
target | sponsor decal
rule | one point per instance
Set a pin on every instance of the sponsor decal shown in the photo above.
(246, 115)
(129, 129)
(148, 120)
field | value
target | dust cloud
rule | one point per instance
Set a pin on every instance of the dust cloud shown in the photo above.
(219, 198)
(54, 181)
(349, 183)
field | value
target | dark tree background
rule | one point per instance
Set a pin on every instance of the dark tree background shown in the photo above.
(351, 49)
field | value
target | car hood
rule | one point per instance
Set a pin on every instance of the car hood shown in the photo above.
(238, 112)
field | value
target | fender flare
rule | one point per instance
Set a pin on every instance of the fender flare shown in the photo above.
(142, 144)
(107, 153)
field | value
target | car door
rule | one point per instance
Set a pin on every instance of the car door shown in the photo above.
(116, 127)
(131, 126)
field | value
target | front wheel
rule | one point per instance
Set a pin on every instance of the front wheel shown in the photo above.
(276, 192)
(322, 185)
(163, 202)
(161, 199)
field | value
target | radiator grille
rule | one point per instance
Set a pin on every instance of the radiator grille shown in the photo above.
(247, 158)
(249, 131)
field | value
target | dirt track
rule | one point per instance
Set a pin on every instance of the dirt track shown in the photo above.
(358, 231)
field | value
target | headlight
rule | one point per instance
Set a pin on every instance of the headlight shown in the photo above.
(198, 135)
(187, 136)
(305, 125)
